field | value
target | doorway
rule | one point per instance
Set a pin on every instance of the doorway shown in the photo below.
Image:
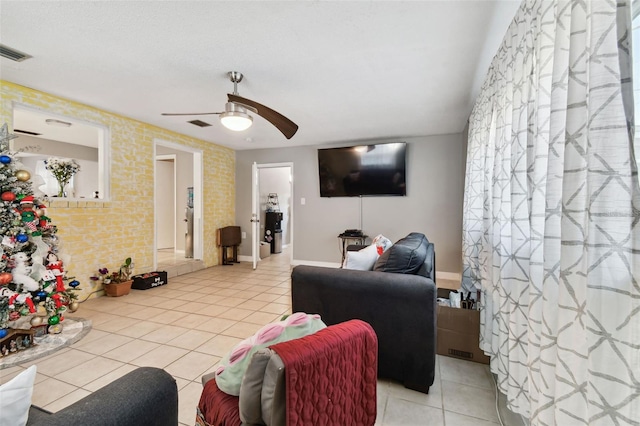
(273, 198)
(165, 187)
(178, 185)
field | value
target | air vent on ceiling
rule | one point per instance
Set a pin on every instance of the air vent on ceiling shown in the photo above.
(199, 123)
(26, 132)
(13, 54)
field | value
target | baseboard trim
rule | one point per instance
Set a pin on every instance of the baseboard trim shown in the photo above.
(247, 258)
(454, 276)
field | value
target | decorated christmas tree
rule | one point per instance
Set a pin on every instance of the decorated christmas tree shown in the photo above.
(34, 289)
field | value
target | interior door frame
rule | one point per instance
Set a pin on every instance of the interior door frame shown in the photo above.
(198, 200)
(255, 215)
(255, 207)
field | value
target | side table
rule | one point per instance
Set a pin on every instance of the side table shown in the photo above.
(358, 240)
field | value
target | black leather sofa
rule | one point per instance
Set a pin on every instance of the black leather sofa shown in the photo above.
(145, 396)
(397, 298)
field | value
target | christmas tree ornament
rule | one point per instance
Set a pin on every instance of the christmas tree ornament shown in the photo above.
(8, 196)
(8, 241)
(55, 329)
(53, 320)
(5, 159)
(27, 202)
(3, 332)
(5, 278)
(22, 238)
(23, 175)
(42, 294)
(21, 272)
(16, 300)
(36, 321)
(20, 196)
(74, 283)
(73, 306)
(53, 264)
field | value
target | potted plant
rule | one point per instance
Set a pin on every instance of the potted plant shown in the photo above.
(116, 283)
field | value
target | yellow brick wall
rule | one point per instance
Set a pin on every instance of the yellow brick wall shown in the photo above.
(96, 234)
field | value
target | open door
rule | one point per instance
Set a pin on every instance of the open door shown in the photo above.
(255, 216)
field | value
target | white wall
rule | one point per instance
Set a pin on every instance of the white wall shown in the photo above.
(164, 186)
(433, 205)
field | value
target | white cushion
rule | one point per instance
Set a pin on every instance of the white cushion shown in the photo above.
(15, 398)
(362, 260)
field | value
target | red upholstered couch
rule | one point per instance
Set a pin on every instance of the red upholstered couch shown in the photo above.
(327, 378)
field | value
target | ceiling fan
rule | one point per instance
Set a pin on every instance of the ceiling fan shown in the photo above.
(235, 116)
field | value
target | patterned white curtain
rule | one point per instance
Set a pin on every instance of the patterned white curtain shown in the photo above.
(552, 212)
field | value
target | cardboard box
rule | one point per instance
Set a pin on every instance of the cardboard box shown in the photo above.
(265, 250)
(458, 334)
(149, 280)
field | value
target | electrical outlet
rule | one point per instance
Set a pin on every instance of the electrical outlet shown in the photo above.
(244, 235)
(303, 201)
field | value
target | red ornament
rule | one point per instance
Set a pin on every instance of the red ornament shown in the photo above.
(8, 196)
(5, 278)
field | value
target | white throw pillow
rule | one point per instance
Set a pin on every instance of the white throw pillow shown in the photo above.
(15, 398)
(362, 260)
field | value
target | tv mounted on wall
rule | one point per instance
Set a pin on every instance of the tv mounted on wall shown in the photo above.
(363, 170)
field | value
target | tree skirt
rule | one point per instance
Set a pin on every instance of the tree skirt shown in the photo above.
(73, 330)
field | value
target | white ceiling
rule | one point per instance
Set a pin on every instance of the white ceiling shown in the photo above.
(343, 70)
(79, 133)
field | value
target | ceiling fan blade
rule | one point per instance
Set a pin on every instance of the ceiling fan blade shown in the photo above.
(189, 113)
(282, 123)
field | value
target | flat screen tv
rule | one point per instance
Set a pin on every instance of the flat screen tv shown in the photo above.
(363, 170)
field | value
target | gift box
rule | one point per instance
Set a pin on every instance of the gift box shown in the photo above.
(149, 280)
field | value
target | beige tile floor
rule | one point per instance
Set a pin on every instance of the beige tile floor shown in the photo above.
(187, 326)
(176, 264)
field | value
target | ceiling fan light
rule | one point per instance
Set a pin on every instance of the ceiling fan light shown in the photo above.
(236, 120)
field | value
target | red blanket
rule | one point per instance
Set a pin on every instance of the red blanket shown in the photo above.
(216, 408)
(331, 376)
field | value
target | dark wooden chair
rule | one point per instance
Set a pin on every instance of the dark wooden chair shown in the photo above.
(229, 237)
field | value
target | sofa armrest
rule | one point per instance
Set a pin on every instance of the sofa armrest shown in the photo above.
(401, 308)
(145, 396)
